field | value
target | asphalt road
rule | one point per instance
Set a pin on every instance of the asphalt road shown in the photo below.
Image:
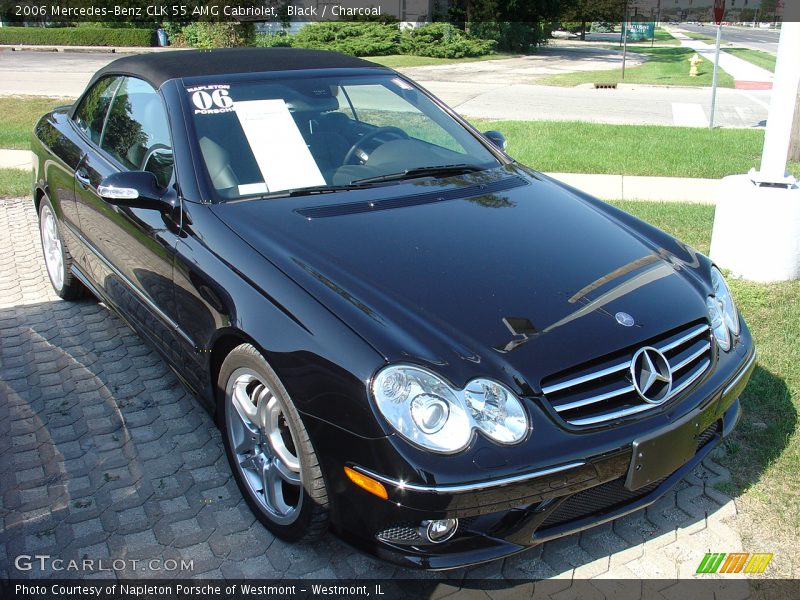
(757, 39)
(499, 89)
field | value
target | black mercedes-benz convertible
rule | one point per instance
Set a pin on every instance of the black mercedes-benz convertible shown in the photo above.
(404, 335)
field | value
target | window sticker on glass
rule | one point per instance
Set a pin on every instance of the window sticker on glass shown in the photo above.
(211, 99)
(278, 146)
(248, 189)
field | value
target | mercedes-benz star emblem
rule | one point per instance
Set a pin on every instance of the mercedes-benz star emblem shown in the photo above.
(651, 375)
(624, 319)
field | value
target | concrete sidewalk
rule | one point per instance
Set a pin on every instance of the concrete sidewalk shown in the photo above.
(745, 74)
(606, 187)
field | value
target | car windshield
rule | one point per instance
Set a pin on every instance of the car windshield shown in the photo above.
(321, 134)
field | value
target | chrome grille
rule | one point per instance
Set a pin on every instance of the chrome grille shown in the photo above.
(595, 394)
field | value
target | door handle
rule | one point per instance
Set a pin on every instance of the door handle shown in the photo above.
(83, 178)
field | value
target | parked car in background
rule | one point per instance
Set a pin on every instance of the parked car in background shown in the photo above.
(405, 336)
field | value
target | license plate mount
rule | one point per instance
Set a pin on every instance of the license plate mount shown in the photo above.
(660, 454)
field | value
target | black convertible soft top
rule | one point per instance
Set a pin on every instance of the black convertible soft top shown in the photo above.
(158, 67)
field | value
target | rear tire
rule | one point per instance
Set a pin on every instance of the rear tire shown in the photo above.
(57, 258)
(269, 450)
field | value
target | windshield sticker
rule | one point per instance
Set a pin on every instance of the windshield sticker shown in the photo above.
(247, 189)
(211, 99)
(278, 146)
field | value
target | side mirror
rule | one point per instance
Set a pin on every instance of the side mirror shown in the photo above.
(497, 138)
(138, 189)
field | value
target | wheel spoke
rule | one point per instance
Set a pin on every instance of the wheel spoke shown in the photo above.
(287, 474)
(243, 404)
(275, 435)
(247, 441)
(273, 489)
(249, 462)
(265, 402)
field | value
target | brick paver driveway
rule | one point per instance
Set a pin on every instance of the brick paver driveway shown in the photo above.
(103, 454)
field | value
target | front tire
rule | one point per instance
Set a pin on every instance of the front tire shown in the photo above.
(269, 450)
(57, 258)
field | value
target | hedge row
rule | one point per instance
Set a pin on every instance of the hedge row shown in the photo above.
(438, 40)
(77, 36)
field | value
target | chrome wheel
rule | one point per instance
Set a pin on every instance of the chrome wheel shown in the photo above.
(264, 446)
(51, 245)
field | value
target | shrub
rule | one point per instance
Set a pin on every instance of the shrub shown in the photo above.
(442, 40)
(512, 36)
(272, 40)
(572, 26)
(603, 27)
(77, 36)
(358, 39)
(215, 35)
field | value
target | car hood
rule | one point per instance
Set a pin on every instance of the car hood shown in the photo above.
(501, 274)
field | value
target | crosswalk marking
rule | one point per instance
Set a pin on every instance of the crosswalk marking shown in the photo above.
(688, 114)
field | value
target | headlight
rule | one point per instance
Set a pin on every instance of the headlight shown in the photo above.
(721, 333)
(427, 411)
(723, 293)
(496, 411)
(722, 311)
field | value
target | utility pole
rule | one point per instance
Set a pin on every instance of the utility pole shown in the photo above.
(719, 13)
(624, 39)
(757, 221)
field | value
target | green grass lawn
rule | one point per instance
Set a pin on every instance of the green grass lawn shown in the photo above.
(579, 147)
(763, 453)
(664, 66)
(395, 61)
(662, 38)
(15, 183)
(700, 37)
(765, 60)
(18, 115)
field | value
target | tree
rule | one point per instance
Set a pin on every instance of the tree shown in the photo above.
(589, 11)
(769, 10)
(517, 25)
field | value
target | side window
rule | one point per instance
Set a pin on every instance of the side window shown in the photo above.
(91, 113)
(136, 131)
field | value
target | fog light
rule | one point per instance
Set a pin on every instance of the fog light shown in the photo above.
(440, 530)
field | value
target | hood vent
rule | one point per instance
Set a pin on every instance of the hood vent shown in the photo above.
(454, 193)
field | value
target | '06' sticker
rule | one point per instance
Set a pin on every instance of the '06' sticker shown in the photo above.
(211, 99)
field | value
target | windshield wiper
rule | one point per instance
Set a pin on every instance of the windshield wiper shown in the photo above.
(438, 171)
(307, 191)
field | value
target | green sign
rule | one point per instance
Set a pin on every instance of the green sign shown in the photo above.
(641, 30)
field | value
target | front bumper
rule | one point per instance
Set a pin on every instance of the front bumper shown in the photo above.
(501, 517)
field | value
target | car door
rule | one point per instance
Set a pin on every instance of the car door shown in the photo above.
(132, 249)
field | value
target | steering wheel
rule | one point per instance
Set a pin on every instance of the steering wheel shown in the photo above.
(395, 131)
(151, 151)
